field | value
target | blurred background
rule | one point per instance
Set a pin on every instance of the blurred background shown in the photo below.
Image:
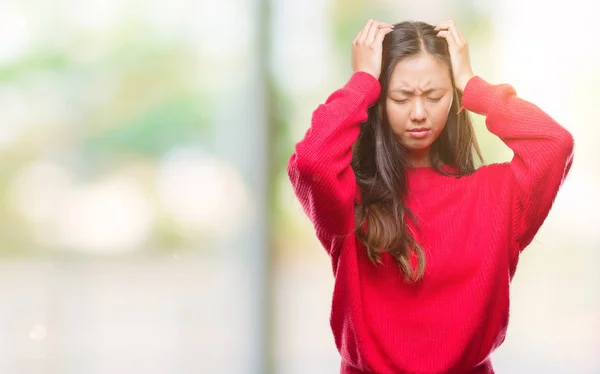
(146, 220)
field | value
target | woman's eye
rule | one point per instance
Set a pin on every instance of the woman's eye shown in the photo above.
(434, 99)
(400, 101)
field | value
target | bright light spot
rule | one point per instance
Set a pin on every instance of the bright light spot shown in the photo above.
(209, 23)
(39, 190)
(15, 31)
(38, 332)
(96, 15)
(16, 113)
(203, 193)
(113, 216)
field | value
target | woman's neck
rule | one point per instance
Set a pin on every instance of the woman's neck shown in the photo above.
(420, 159)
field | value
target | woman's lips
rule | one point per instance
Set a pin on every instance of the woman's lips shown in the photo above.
(418, 133)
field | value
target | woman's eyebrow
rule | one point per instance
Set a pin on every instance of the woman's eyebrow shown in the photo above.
(407, 91)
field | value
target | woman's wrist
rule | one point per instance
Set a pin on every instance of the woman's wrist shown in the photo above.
(462, 82)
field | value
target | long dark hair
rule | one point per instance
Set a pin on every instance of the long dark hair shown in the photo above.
(380, 162)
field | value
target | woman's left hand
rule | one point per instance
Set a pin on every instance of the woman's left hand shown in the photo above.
(459, 53)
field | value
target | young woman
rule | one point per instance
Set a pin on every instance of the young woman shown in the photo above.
(423, 244)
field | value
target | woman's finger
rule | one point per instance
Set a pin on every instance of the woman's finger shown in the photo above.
(442, 24)
(383, 31)
(454, 29)
(462, 38)
(450, 25)
(362, 32)
(449, 38)
(372, 32)
(366, 30)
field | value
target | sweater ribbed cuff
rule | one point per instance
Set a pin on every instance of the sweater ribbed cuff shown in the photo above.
(366, 84)
(482, 97)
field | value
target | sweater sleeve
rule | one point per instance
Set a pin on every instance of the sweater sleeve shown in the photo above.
(543, 153)
(319, 169)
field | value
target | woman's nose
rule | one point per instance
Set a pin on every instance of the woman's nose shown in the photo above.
(418, 111)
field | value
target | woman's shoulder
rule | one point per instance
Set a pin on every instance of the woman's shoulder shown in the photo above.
(497, 168)
(483, 171)
(494, 175)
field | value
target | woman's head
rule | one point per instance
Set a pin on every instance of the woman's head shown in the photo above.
(419, 93)
(418, 99)
(413, 124)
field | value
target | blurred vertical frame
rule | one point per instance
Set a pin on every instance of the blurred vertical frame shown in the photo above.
(263, 263)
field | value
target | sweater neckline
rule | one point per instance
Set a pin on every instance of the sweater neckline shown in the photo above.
(425, 169)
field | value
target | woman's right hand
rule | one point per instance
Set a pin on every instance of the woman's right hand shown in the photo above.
(367, 47)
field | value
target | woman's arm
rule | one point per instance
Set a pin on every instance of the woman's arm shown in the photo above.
(543, 152)
(319, 169)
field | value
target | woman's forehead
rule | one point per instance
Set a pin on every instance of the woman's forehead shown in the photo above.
(422, 73)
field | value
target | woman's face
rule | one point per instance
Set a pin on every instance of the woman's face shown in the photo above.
(418, 101)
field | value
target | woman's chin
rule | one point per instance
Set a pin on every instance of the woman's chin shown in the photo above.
(416, 146)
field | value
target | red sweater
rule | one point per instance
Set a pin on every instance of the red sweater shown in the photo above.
(472, 230)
